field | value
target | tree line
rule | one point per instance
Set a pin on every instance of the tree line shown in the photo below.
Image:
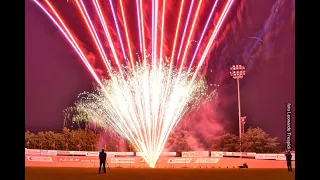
(254, 140)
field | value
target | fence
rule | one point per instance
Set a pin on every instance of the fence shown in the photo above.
(163, 162)
(196, 159)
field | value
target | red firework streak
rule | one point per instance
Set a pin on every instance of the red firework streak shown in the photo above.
(118, 34)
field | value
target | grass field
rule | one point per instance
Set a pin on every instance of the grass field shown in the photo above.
(40, 173)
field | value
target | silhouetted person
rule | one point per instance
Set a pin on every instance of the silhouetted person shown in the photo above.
(243, 166)
(288, 158)
(102, 157)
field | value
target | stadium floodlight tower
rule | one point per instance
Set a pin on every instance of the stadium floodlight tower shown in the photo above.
(237, 72)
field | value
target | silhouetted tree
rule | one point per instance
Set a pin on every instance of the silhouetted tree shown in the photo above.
(31, 138)
(178, 141)
(256, 140)
(49, 139)
(227, 142)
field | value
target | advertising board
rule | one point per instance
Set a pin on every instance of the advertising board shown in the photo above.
(207, 160)
(216, 154)
(39, 158)
(227, 153)
(78, 153)
(63, 153)
(195, 154)
(33, 151)
(179, 160)
(123, 160)
(68, 159)
(78, 159)
(282, 157)
(249, 154)
(267, 156)
(112, 154)
(92, 153)
(49, 152)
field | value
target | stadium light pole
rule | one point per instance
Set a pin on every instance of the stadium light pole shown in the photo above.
(243, 121)
(237, 72)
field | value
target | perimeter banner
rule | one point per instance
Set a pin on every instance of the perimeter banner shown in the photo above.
(207, 160)
(123, 160)
(49, 152)
(216, 154)
(33, 151)
(179, 160)
(195, 154)
(39, 158)
(95, 154)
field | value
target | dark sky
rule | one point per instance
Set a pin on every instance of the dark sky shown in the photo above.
(55, 76)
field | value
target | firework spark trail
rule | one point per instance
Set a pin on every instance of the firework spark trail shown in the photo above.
(202, 35)
(154, 30)
(65, 31)
(176, 35)
(142, 32)
(134, 101)
(117, 27)
(105, 28)
(173, 50)
(174, 43)
(80, 53)
(193, 79)
(127, 36)
(161, 59)
(216, 30)
(188, 40)
(139, 26)
(162, 26)
(96, 38)
(114, 109)
(264, 33)
(93, 33)
(185, 29)
(120, 68)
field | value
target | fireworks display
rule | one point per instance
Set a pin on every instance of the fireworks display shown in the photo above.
(145, 107)
(145, 95)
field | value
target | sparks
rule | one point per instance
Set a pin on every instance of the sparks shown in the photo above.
(142, 117)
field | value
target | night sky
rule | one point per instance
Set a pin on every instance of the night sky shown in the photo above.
(55, 75)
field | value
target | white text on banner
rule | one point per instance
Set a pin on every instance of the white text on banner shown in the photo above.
(216, 154)
(92, 153)
(33, 152)
(179, 160)
(195, 154)
(49, 152)
(123, 160)
(207, 160)
(39, 158)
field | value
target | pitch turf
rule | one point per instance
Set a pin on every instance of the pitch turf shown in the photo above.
(41, 173)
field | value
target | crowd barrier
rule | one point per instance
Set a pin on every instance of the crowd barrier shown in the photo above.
(213, 154)
(192, 159)
(163, 162)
